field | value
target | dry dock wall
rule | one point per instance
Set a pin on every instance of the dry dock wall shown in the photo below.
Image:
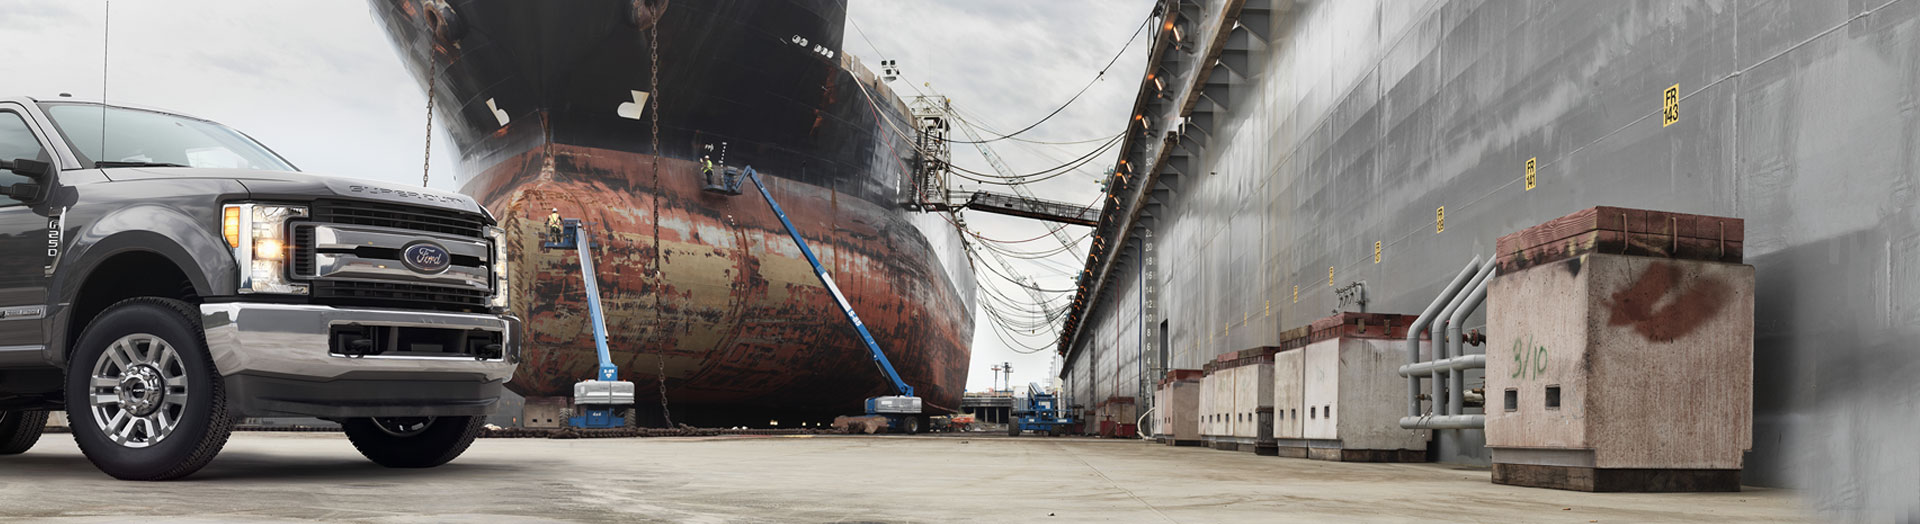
(1349, 123)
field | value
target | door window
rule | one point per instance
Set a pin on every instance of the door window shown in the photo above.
(16, 141)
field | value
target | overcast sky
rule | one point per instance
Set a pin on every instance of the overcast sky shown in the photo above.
(317, 82)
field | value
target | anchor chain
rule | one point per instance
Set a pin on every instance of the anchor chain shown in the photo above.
(653, 100)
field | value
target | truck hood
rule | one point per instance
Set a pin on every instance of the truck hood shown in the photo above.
(303, 186)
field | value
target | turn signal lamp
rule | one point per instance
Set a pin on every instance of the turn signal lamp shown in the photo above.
(230, 225)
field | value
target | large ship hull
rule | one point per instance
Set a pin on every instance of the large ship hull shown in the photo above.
(553, 107)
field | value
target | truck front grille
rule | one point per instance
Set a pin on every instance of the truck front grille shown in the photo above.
(399, 216)
(349, 253)
(302, 251)
(385, 294)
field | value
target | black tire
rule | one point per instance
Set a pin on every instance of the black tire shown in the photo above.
(913, 424)
(204, 422)
(394, 446)
(1013, 429)
(19, 430)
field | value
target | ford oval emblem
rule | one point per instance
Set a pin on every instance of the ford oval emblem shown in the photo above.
(426, 257)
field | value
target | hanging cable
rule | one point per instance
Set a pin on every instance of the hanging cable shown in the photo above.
(1083, 90)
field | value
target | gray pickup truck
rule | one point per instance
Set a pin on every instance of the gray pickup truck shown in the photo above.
(163, 276)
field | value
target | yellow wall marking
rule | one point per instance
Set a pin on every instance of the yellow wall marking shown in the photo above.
(1269, 308)
(1440, 220)
(1296, 293)
(1530, 163)
(1670, 106)
(1329, 275)
(1376, 251)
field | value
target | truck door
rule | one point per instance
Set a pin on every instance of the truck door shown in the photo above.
(24, 246)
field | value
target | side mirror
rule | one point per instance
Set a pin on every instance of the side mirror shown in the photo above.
(32, 169)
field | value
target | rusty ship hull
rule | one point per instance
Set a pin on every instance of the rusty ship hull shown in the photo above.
(707, 299)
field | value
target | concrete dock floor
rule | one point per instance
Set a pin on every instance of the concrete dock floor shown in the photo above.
(309, 476)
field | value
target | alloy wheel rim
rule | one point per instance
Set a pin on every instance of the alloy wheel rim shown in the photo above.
(403, 426)
(138, 390)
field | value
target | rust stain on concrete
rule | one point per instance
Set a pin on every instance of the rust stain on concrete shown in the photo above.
(1663, 305)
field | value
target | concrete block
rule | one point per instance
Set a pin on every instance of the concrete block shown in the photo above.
(1177, 406)
(1240, 397)
(1625, 363)
(545, 412)
(1289, 406)
(1344, 384)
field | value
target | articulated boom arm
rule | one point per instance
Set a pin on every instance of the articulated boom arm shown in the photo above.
(607, 370)
(899, 385)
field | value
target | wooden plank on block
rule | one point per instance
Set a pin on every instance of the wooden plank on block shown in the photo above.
(1618, 243)
(1623, 220)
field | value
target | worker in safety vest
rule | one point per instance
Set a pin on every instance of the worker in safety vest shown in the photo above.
(706, 168)
(553, 226)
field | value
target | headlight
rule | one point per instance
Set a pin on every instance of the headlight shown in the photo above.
(498, 238)
(257, 233)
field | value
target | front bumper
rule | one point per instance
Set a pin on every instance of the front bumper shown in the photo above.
(275, 361)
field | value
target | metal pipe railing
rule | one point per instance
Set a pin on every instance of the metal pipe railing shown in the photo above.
(1427, 316)
(1441, 349)
(1451, 364)
(1449, 358)
(1457, 388)
(1445, 422)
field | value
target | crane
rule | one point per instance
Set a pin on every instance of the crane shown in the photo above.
(901, 409)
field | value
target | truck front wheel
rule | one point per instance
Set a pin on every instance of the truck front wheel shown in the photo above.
(19, 430)
(413, 442)
(143, 398)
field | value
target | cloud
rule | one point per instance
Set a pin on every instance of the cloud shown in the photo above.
(1006, 64)
(40, 13)
(316, 81)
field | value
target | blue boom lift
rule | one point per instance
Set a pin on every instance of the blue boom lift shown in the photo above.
(902, 409)
(1040, 411)
(603, 401)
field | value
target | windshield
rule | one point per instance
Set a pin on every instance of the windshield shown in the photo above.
(136, 137)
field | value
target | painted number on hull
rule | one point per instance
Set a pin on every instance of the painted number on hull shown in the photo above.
(1529, 360)
(1440, 220)
(1530, 163)
(1670, 106)
(633, 109)
(1376, 251)
(498, 114)
(1329, 275)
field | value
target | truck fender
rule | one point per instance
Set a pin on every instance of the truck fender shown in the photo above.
(189, 244)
